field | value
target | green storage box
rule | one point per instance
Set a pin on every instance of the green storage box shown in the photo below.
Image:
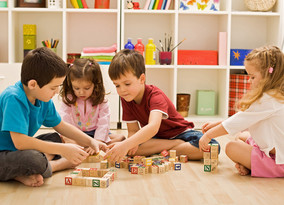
(206, 102)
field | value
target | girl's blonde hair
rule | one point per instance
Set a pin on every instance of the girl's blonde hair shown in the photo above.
(269, 61)
(88, 70)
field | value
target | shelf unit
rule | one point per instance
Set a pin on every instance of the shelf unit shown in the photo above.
(245, 29)
(78, 28)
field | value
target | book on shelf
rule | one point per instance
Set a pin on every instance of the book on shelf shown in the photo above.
(157, 4)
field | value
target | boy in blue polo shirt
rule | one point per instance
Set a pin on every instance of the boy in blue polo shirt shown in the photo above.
(24, 107)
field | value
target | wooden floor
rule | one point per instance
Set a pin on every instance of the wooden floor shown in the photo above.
(191, 185)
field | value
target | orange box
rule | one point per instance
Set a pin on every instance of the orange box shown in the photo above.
(197, 57)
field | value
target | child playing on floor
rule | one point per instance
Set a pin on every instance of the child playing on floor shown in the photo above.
(152, 121)
(261, 113)
(84, 104)
(24, 108)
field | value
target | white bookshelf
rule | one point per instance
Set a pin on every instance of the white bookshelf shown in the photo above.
(78, 28)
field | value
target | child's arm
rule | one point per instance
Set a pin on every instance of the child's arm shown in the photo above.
(73, 153)
(132, 128)
(80, 137)
(214, 132)
(207, 126)
(119, 150)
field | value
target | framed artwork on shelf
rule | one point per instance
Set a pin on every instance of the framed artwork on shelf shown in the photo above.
(31, 3)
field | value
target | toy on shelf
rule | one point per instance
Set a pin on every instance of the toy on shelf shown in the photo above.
(211, 158)
(132, 5)
(29, 33)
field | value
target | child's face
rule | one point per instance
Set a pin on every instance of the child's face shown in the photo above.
(47, 92)
(129, 87)
(82, 89)
(255, 75)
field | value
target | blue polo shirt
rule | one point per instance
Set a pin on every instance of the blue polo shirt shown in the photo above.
(18, 114)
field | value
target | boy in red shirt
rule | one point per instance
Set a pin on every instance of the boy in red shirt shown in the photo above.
(152, 121)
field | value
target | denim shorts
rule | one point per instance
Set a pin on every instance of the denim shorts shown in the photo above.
(193, 137)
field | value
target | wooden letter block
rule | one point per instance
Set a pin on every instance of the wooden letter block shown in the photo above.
(134, 169)
(164, 153)
(96, 182)
(173, 154)
(183, 158)
(177, 166)
(68, 180)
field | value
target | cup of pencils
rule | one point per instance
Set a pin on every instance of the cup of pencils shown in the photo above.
(52, 44)
(165, 57)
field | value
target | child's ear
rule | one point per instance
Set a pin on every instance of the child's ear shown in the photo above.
(143, 78)
(32, 84)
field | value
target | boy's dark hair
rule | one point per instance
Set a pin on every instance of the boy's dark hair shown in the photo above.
(42, 65)
(126, 61)
(88, 70)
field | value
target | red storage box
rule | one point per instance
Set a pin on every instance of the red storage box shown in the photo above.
(239, 85)
(197, 57)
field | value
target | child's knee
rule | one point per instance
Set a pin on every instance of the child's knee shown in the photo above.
(34, 161)
(230, 147)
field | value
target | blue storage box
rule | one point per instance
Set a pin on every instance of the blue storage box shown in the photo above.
(237, 56)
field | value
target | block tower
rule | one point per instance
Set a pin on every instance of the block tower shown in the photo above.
(29, 32)
(211, 158)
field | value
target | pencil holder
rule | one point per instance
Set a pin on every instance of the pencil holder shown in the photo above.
(102, 4)
(54, 50)
(165, 58)
(183, 101)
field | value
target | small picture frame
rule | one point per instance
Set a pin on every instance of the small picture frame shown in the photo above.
(31, 3)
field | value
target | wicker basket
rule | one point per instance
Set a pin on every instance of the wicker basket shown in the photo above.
(260, 5)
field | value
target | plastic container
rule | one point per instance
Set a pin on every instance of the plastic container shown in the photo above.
(139, 46)
(150, 54)
(129, 45)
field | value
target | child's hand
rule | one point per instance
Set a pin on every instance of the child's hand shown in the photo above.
(117, 152)
(203, 143)
(97, 145)
(207, 126)
(133, 150)
(90, 151)
(74, 153)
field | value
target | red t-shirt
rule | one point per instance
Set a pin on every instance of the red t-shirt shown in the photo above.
(155, 99)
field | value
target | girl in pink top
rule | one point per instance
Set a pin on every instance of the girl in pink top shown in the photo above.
(84, 104)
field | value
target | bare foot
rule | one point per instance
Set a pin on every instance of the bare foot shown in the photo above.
(35, 180)
(61, 164)
(242, 170)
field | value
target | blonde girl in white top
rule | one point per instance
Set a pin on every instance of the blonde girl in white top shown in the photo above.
(261, 113)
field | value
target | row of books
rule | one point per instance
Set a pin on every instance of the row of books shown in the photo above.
(157, 4)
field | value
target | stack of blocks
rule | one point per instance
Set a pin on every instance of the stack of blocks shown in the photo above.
(29, 33)
(92, 177)
(211, 158)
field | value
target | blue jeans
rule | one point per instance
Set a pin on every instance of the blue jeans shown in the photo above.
(193, 137)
